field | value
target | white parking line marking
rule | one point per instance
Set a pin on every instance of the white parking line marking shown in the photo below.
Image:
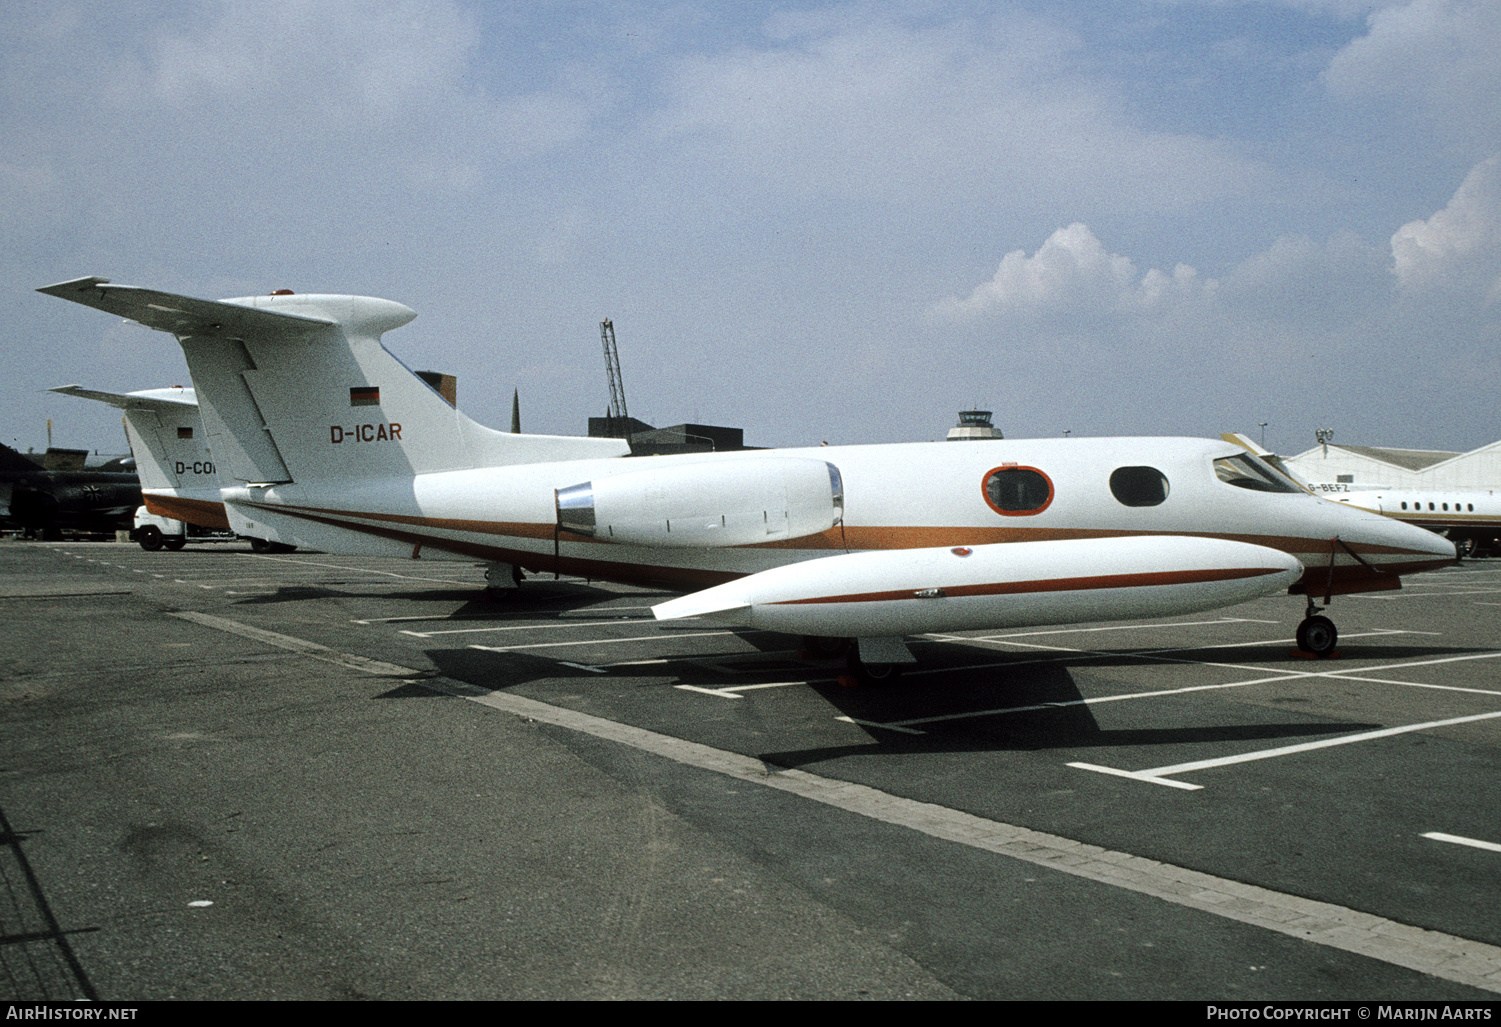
(544, 626)
(883, 726)
(733, 691)
(1138, 775)
(297, 645)
(450, 617)
(359, 570)
(1455, 839)
(1156, 775)
(1273, 676)
(596, 641)
(1425, 595)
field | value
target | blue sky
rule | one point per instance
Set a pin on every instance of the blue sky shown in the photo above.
(835, 222)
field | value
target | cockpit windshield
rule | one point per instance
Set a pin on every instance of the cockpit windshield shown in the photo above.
(1247, 472)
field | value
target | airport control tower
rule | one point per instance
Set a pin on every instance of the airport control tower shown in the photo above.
(974, 425)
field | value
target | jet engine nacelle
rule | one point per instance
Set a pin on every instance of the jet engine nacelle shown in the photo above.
(707, 505)
(910, 591)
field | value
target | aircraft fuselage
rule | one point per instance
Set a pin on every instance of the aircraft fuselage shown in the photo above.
(899, 496)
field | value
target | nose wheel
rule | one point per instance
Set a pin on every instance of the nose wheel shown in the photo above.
(1317, 635)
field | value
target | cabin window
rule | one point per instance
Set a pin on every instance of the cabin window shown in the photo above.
(1247, 472)
(1404, 504)
(1138, 486)
(1017, 491)
(1469, 507)
(1446, 507)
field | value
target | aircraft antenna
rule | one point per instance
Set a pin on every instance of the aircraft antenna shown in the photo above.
(617, 414)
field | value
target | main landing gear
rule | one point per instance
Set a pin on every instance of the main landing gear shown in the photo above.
(871, 673)
(1317, 635)
(867, 661)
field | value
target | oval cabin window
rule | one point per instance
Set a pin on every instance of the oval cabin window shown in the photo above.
(1138, 486)
(1017, 491)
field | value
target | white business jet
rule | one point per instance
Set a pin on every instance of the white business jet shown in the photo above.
(334, 444)
(179, 481)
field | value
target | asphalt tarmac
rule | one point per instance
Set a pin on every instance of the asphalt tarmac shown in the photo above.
(226, 775)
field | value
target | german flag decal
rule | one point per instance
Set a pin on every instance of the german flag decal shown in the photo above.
(364, 396)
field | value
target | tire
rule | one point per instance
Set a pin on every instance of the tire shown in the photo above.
(150, 538)
(1318, 635)
(872, 673)
(174, 544)
(825, 647)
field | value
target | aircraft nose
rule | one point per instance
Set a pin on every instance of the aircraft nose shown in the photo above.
(1404, 548)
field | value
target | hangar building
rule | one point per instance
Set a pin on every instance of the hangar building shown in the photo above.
(1381, 466)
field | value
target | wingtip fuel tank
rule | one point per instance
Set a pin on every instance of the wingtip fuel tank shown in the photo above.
(999, 585)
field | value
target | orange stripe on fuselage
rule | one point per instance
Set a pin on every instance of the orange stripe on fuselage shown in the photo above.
(1316, 579)
(202, 512)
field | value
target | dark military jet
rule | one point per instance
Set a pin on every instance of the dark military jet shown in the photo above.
(45, 503)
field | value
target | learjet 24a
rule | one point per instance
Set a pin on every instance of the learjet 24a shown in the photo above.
(333, 444)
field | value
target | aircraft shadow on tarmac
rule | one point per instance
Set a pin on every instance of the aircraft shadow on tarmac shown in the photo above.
(43, 965)
(541, 600)
(1032, 705)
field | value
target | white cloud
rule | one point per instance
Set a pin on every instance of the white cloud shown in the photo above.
(1458, 248)
(359, 63)
(358, 93)
(1438, 55)
(965, 112)
(1073, 273)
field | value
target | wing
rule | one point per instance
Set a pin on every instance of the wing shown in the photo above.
(183, 315)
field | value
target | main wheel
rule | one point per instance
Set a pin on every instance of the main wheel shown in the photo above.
(825, 647)
(871, 673)
(1317, 635)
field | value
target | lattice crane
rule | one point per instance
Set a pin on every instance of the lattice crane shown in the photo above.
(617, 415)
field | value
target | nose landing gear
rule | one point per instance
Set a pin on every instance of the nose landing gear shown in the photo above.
(1317, 635)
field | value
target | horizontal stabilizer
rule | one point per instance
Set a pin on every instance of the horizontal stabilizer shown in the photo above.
(163, 400)
(183, 315)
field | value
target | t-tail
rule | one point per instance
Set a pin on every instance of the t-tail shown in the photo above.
(299, 389)
(179, 478)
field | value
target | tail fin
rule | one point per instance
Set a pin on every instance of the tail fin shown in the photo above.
(166, 435)
(299, 388)
(1250, 446)
(12, 460)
